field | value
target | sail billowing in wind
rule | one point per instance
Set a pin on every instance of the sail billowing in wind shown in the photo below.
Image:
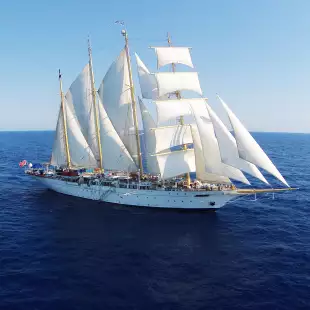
(248, 148)
(147, 80)
(149, 139)
(115, 156)
(173, 55)
(114, 93)
(210, 147)
(229, 150)
(79, 100)
(80, 153)
(201, 173)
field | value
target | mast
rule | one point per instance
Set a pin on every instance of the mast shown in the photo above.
(178, 95)
(133, 100)
(95, 105)
(64, 122)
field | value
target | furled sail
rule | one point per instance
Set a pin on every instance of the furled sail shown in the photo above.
(176, 163)
(170, 110)
(169, 82)
(210, 146)
(171, 136)
(147, 80)
(80, 152)
(249, 149)
(201, 173)
(176, 55)
(149, 139)
(79, 99)
(114, 92)
(115, 156)
(229, 150)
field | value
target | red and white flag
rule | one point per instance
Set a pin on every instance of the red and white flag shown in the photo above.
(22, 163)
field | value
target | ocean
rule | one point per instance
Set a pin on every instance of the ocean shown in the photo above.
(61, 252)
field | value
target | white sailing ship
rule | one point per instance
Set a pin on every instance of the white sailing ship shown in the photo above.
(98, 131)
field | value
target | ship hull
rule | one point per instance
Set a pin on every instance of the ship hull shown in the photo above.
(202, 200)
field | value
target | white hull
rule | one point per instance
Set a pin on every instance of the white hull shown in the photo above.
(203, 200)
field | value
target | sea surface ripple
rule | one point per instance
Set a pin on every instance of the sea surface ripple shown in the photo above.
(61, 252)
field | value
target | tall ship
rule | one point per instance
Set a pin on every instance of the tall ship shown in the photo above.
(191, 159)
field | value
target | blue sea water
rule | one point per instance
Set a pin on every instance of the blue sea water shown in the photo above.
(61, 252)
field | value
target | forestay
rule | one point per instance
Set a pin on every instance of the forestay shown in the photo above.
(79, 99)
(115, 156)
(114, 93)
(171, 136)
(176, 163)
(248, 148)
(169, 82)
(210, 146)
(80, 152)
(229, 150)
(149, 139)
(176, 55)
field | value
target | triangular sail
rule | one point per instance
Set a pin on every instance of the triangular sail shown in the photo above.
(115, 156)
(80, 152)
(79, 99)
(210, 146)
(59, 149)
(147, 81)
(149, 139)
(229, 150)
(201, 173)
(249, 149)
(115, 96)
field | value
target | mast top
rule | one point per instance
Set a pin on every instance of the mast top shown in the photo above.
(169, 39)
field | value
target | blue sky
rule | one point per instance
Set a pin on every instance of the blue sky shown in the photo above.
(255, 54)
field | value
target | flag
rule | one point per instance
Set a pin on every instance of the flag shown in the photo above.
(121, 22)
(59, 74)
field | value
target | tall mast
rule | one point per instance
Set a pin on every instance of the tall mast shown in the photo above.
(95, 105)
(64, 121)
(133, 100)
(178, 95)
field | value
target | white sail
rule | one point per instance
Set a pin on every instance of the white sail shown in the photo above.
(176, 55)
(115, 156)
(114, 92)
(170, 110)
(201, 173)
(149, 139)
(210, 147)
(80, 152)
(249, 149)
(171, 136)
(169, 82)
(59, 157)
(147, 81)
(229, 150)
(79, 99)
(176, 163)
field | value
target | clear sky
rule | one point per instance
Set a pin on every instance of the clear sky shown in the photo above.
(255, 54)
